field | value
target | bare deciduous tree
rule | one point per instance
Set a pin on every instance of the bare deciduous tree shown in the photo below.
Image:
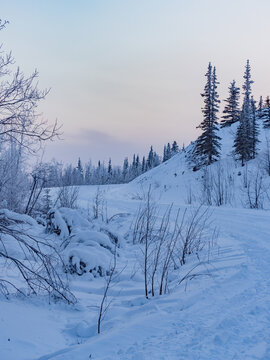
(22, 130)
(217, 185)
(103, 307)
(39, 181)
(67, 196)
(160, 239)
(193, 225)
(19, 97)
(99, 205)
(254, 190)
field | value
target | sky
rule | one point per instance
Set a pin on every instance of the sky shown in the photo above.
(125, 74)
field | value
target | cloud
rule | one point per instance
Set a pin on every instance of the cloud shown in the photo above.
(90, 144)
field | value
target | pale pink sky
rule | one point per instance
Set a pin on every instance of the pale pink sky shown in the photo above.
(127, 74)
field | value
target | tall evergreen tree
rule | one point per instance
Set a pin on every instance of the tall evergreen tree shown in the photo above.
(125, 170)
(110, 167)
(254, 129)
(243, 141)
(165, 158)
(78, 173)
(175, 148)
(207, 146)
(231, 111)
(134, 161)
(260, 109)
(143, 165)
(133, 169)
(150, 159)
(138, 165)
(88, 174)
(169, 151)
(156, 159)
(79, 166)
(240, 141)
(266, 113)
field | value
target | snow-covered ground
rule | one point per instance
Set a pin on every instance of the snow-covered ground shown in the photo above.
(221, 312)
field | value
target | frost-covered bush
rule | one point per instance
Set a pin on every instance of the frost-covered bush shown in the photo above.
(63, 221)
(87, 249)
(89, 252)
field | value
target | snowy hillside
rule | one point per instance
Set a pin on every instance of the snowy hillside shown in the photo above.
(215, 305)
(175, 181)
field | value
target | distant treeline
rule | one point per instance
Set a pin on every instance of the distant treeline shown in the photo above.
(100, 174)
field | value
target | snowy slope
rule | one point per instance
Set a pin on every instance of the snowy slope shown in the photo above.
(174, 180)
(222, 312)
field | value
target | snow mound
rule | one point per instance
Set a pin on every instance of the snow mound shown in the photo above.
(89, 252)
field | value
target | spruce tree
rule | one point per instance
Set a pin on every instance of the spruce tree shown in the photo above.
(134, 161)
(244, 147)
(169, 151)
(143, 165)
(150, 159)
(156, 159)
(266, 113)
(254, 130)
(125, 170)
(133, 168)
(240, 147)
(138, 162)
(88, 173)
(260, 109)
(175, 148)
(110, 167)
(165, 158)
(79, 173)
(207, 146)
(231, 111)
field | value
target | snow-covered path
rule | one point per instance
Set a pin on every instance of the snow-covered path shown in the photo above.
(222, 316)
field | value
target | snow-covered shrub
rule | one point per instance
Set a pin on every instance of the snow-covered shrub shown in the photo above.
(87, 249)
(89, 252)
(63, 221)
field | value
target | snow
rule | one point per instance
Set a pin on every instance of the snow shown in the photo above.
(222, 311)
(19, 218)
(221, 316)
